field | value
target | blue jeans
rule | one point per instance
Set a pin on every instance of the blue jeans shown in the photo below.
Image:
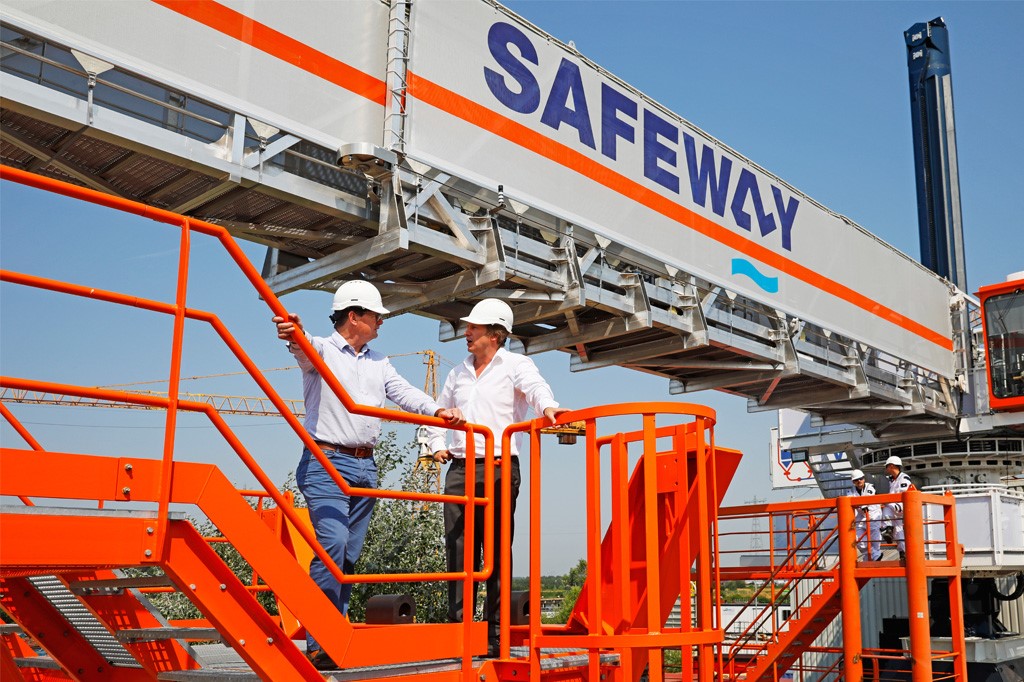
(340, 521)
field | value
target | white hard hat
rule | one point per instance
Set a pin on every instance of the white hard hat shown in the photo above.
(491, 311)
(856, 475)
(893, 459)
(358, 293)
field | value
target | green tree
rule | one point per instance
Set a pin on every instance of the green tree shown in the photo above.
(574, 580)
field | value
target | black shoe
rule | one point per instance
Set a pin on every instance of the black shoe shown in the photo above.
(320, 660)
(494, 649)
(887, 534)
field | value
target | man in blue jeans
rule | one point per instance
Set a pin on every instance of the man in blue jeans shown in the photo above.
(340, 521)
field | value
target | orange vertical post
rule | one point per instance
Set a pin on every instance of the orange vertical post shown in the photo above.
(954, 552)
(917, 588)
(651, 544)
(705, 652)
(849, 593)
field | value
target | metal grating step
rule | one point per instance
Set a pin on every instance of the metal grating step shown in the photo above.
(83, 621)
(561, 659)
(37, 662)
(117, 586)
(221, 662)
(157, 634)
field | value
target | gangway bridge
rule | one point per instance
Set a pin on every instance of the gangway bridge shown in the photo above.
(773, 298)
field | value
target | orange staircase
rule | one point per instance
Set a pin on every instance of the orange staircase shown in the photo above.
(810, 573)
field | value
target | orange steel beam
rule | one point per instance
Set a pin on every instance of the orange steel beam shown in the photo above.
(211, 585)
(917, 588)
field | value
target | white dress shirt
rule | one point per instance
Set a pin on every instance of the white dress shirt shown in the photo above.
(501, 395)
(368, 377)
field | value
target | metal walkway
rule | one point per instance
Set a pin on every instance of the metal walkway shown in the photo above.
(438, 243)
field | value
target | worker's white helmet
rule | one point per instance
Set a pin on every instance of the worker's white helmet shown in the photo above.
(856, 475)
(491, 311)
(358, 293)
(893, 459)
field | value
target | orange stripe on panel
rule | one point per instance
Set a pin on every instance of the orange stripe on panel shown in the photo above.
(277, 44)
(482, 117)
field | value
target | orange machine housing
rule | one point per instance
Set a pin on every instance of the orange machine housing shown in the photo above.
(1002, 308)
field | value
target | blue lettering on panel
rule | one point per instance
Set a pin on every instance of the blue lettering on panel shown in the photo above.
(747, 186)
(705, 175)
(654, 150)
(568, 81)
(787, 214)
(612, 102)
(499, 38)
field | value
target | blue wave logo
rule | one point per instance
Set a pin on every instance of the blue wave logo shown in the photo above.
(741, 266)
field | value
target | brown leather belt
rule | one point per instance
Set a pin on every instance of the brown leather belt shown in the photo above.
(358, 453)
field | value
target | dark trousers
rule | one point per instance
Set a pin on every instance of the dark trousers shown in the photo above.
(454, 535)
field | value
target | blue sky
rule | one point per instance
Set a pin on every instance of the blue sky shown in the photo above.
(814, 92)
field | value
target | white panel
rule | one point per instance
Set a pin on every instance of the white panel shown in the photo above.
(294, 74)
(785, 472)
(498, 102)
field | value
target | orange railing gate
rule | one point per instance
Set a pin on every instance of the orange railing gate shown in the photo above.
(78, 617)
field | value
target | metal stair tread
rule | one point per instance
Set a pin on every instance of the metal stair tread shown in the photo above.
(558, 660)
(40, 662)
(87, 511)
(10, 629)
(157, 634)
(117, 586)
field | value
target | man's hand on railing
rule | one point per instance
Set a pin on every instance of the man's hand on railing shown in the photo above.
(285, 328)
(552, 413)
(452, 415)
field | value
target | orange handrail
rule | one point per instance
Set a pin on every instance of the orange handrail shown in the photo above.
(596, 635)
(171, 402)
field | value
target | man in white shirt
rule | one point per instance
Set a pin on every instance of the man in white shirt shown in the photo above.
(867, 519)
(892, 514)
(340, 520)
(494, 388)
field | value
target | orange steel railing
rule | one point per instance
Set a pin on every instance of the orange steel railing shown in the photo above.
(804, 558)
(172, 403)
(610, 612)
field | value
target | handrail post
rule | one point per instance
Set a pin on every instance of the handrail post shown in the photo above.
(849, 592)
(173, 386)
(917, 588)
(651, 543)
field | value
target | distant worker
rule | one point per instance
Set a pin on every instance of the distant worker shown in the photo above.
(494, 388)
(892, 514)
(867, 519)
(340, 521)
